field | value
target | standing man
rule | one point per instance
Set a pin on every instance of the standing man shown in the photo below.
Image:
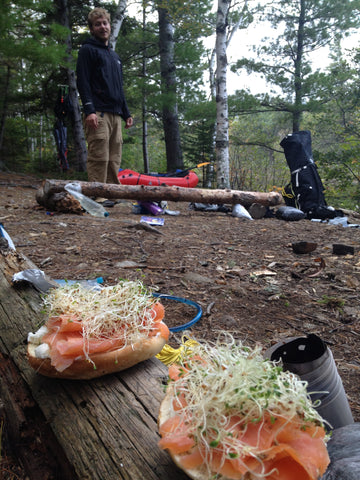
(100, 84)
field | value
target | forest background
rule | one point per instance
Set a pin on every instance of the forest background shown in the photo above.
(174, 56)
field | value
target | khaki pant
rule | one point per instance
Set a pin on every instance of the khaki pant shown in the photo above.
(104, 149)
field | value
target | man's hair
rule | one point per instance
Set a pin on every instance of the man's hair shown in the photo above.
(98, 13)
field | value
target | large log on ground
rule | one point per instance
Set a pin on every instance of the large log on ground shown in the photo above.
(102, 429)
(158, 193)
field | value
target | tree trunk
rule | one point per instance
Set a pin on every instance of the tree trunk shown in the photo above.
(298, 69)
(117, 21)
(45, 195)
(144, 100)
(174, 157)
(79, 137)
(4, 107)
(212, 73)
(222, 119)
(217, 93)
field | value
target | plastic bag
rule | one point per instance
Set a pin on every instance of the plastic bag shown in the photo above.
(290, 214)
(240, 212)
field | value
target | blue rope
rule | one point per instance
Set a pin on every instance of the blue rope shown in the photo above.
(188, 302)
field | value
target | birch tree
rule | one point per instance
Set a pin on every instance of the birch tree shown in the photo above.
(225, 30)
(222, 117)
(116, 22)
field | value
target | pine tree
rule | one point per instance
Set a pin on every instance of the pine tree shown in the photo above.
(303, 26)
(30, 50)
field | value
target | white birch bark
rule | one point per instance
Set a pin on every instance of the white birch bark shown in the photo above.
(230, 34)
(116, 22)
(222, 117)
(212, 73)
(218, 87)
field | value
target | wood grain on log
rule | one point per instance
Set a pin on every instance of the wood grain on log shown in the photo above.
(107, 427)
(158, 193)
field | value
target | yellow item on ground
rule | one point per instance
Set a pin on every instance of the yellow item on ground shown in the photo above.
(169, 355)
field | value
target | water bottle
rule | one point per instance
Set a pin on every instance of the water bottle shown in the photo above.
(92, 207)
(152, 208)
(93, 284)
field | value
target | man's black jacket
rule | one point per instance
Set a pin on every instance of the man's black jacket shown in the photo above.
(100, 79)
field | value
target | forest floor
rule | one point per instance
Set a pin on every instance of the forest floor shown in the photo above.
(243, 273)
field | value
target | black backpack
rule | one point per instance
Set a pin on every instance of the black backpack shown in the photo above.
(306, 190)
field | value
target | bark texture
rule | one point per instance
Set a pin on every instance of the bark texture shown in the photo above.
(174, 157)
(103, 429)
(46, 195)
(222, 118)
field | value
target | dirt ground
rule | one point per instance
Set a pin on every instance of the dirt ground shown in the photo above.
(243, 273)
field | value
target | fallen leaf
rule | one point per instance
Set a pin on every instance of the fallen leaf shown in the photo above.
(263, 272)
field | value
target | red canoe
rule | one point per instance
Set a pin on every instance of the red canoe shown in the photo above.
(129, 177)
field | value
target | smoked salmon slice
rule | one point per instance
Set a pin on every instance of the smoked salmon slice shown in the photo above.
(307, 451)
(158, 311)
(65, 323)
(239, 421)
(67, 342)
(175, 436)
(193, 459)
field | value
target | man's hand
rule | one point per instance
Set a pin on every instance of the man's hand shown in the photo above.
(92, 121)
(129, 122)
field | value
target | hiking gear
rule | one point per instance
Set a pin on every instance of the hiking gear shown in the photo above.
(181, 178)
(305, 180)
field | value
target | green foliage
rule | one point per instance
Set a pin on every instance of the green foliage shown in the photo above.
(33, 56)
(132, 156)
(256, 160)
(138, 48)
(16, 144)
(285, 60)
(188, 16)
(198, 133)
(31, 49)
(336, 135)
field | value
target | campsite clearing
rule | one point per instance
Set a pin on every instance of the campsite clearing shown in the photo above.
(243, 273)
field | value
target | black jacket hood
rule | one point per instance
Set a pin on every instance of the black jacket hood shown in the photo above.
(100, 79)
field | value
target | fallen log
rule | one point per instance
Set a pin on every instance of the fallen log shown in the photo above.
(45, 196)
(60, 202)
(101, 429)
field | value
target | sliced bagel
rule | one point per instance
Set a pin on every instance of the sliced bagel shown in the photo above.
(166, 411)
(101, 363)
(227, 413)
(90, 332)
